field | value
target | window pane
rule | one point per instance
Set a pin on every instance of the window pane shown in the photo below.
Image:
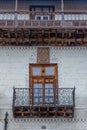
(45, 9)
(37, 100)
(38, 9)
(37, 93)
(49, 93)
(73, 17)
(49, 70)
(45, 17)
(38, 17)
(66, 17)
(36, 71)
(58, 17)
(38, 86)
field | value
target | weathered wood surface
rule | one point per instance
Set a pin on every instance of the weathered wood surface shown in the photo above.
(43, 37)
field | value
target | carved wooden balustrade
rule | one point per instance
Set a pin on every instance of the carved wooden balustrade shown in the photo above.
(44, 37)
(62, 29)
(63, 107)
(58, 20)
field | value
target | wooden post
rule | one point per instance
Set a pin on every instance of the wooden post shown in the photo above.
(62, 10)
(62, 5)
(16, 5)
(16, 8)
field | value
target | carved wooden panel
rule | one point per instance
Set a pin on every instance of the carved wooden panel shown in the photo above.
(43, 55)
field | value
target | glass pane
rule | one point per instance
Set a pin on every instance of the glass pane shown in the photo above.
(49, 100)
(45, 17)
(37, 100)
(65, 17)
(38, 17)
(37, 93)
(49, 70)
(49, 86)
(36, 71)
(45, 9)
(38, 9)
(51, 9)
(73, 17)
(58, 17)
(37, 86)
(49, 93)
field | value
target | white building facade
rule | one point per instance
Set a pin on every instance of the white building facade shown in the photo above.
(72, 71)
(42, 35)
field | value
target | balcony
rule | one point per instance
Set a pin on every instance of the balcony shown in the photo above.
(42, 24)
(52, 105)
(56, 20)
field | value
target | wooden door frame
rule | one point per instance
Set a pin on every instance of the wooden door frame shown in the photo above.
(54, 77)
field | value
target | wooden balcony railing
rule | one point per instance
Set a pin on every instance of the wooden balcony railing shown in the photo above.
(63, 107)
(42, 24)
(56, 20)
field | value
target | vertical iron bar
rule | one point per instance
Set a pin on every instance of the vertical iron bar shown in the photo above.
(13, 96)
(73, 101)
(6, 121)
(74, 96)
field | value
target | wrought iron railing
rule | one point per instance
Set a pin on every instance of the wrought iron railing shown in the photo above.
(61, 104)
(66, 96)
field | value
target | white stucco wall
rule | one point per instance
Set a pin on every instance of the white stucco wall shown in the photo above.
(72, 71)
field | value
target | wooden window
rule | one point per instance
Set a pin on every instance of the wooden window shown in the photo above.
(43, 8)
(43, 84)
(42, 17)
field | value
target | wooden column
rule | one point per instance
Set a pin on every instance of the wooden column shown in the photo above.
(16, 8)
(62, 10)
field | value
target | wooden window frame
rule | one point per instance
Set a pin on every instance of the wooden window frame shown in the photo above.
(50, 79)
(41, 7)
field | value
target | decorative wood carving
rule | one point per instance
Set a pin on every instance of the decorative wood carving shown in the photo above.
(43, 37)
(42, 55)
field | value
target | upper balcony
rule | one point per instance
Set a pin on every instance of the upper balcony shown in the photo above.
(56, 20)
